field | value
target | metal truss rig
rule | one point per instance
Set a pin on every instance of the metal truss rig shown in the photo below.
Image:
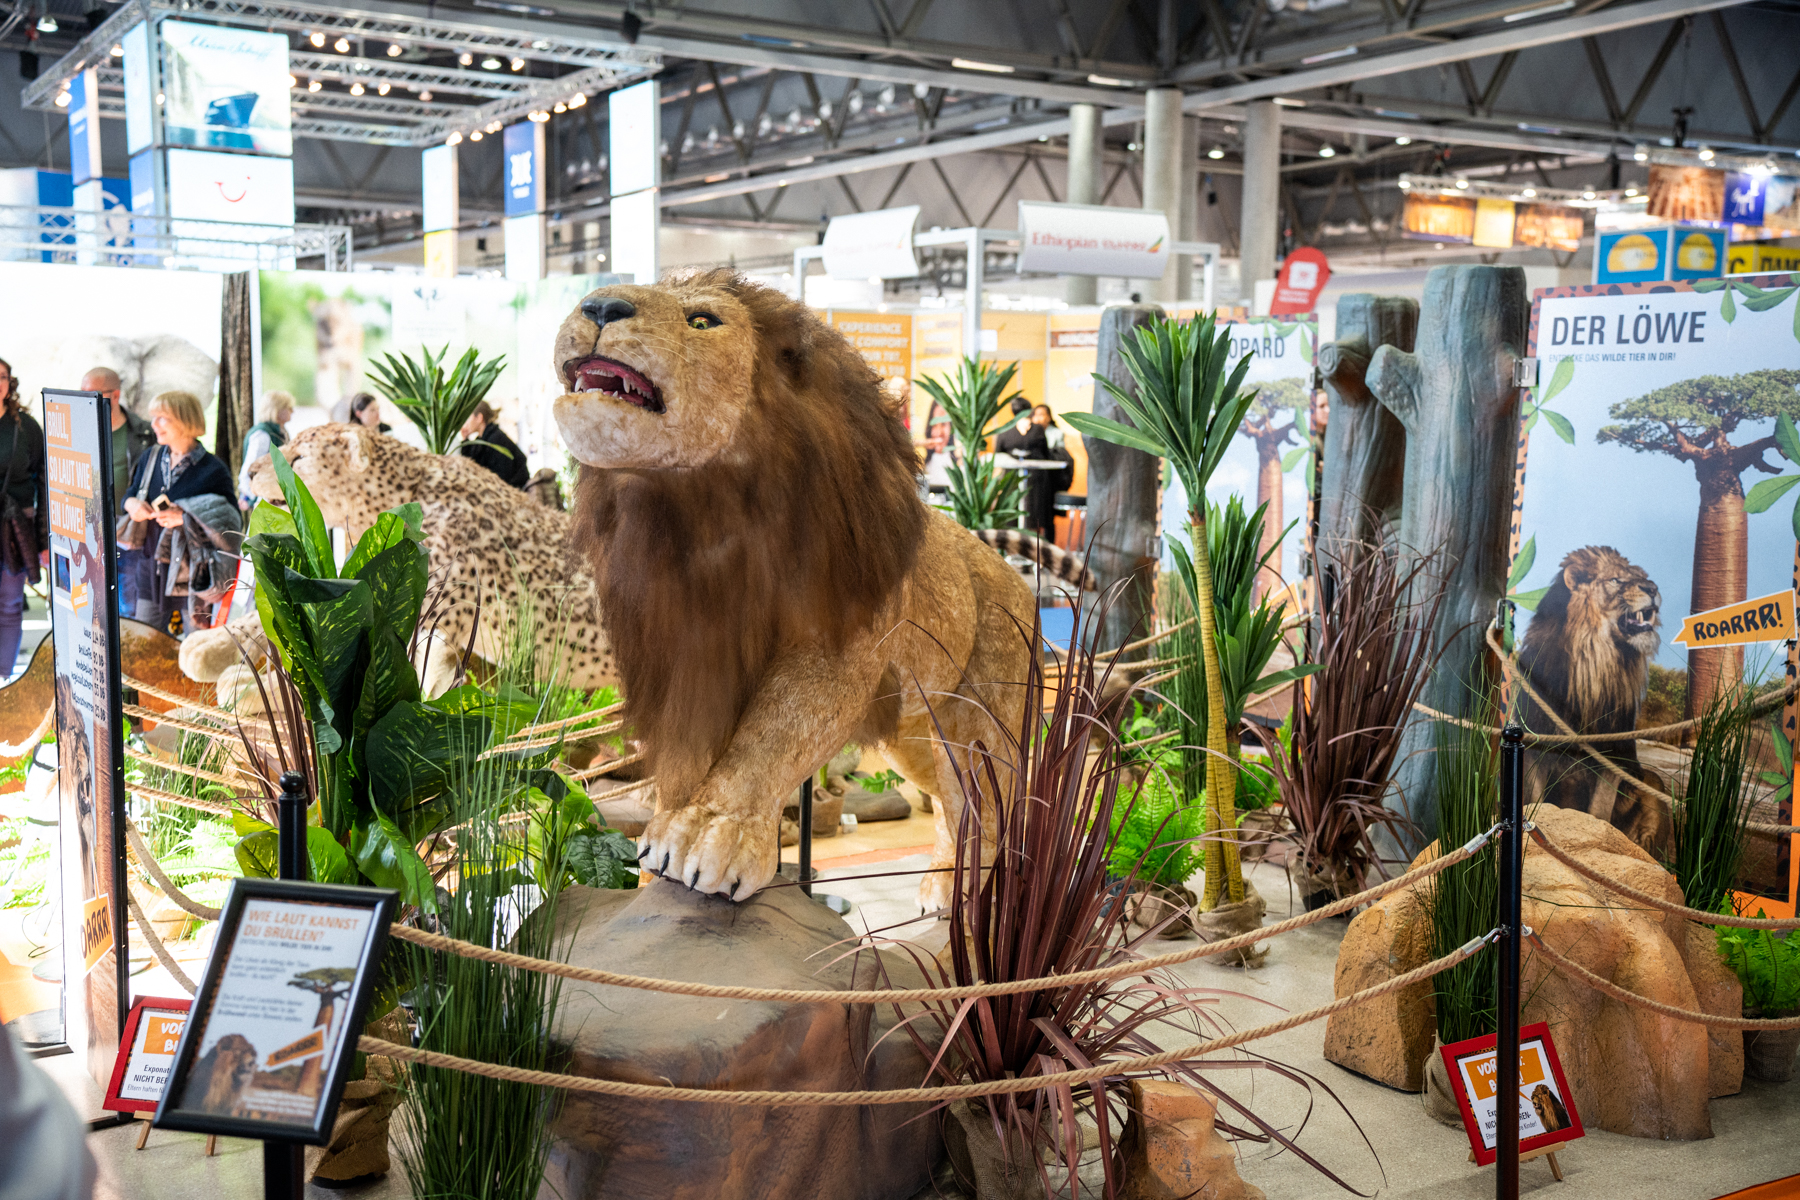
(600, 64)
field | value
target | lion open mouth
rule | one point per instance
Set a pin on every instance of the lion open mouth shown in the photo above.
(615, 379)
(1636, 624)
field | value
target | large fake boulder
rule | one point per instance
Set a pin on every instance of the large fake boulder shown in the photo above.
(1630, 1070)
(1172, 1151)
(609, 1147)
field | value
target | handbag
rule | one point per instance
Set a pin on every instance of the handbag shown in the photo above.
(131, 534)
(19, 547)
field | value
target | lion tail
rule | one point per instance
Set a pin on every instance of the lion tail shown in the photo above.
(1064, 564)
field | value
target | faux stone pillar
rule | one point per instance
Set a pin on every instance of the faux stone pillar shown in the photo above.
(1365, 444)
(1122, 507)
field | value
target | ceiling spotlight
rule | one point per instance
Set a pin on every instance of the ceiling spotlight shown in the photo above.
(493, 127)
(293, 81)
(1462, 185)
(826, 108)
(1588, 194)
(465, 59)
(854, 102)
(490, 63)
(342, 45)
(578, 99)
(1327, 151)
(1529, 193)
(62, 99)
(47, 24)
(425, 96)
(1402, 141)
(394, 50)
(1215, 152)
(885, 96)
(1641, 154)
(1706, 154)
(455, 139)
(1406, 185)
(381, 89)
(317, 39)
(1631, 191)
(921, 90)
(357, 89)
(559, 107)
(117, 52)
(313, 85)
(518, 64)
(540, 116)
(475, 136)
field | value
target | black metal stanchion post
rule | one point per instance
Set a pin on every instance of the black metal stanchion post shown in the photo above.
(806, 805)
(1506, 974)
(284, 1163)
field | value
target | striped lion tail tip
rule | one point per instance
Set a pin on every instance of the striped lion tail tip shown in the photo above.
(1066, 565)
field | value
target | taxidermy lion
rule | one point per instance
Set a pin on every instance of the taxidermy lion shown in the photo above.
(772, 583)
(1587, 652)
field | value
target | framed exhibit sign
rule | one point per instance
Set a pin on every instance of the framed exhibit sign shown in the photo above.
(84, 628)
(1655, 543)
(1547, 1115)
(146, 1052)
(275, 1020)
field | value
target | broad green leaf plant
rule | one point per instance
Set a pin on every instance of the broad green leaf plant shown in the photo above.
(1186, 408)
(439, 406)
(981, 495)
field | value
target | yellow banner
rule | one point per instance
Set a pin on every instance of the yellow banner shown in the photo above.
(1764, 619)
(96, 930)
(306, 1047)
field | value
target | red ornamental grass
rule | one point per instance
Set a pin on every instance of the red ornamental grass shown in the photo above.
(1046, 906)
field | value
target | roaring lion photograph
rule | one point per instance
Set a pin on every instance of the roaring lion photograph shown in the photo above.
(771, 582)
(1550, 1111)
(217, 1082)
(1587, 654)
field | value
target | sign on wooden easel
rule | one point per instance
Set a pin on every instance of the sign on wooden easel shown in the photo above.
(1547, 1116)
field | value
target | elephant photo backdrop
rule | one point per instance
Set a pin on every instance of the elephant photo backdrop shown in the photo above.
(1656, 483)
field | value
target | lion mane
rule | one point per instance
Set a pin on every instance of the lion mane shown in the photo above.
(803, 532)
(1587, 655)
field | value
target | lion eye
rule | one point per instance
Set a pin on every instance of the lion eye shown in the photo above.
(703, 320)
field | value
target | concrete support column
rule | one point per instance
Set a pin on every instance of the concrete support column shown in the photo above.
(1086, 174)
(1188, 228)
(1162, 176)
(1262, 195)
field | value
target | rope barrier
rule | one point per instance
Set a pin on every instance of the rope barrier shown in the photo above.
(605, 767)
(1693, 914)
(925, 1095)
(511, 744)
(1156, 637)
(1608, 988)
(194, 802)
(147, 860)
(591, 715)
(620, 791)
(163, 764)
(150, 714)
(156, 945)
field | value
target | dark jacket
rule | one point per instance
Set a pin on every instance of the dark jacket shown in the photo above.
(139, 437)
(22, 446)
(209, 475)
(499, 454)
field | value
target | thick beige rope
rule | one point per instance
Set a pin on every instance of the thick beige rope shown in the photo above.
(591, 715)
(156, 946)
(163, 764)
(512, 743)
(1156, 637)
(177, 698)
(147, 860)
(1606, 987)
(141, 713)
(716, 991)
(605, 767)
(207, 806)
(926, 1095)
(620, 791)
(1693, 914)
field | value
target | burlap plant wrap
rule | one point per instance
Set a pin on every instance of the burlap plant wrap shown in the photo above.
(1229, 920)
(1438, 1098)
(1174, 908)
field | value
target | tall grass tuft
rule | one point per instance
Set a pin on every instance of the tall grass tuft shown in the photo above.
(1713, 804)
(1463, 901)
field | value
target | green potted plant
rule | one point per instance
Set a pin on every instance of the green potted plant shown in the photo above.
(981, 496)
(1769, 968)
(438, 405)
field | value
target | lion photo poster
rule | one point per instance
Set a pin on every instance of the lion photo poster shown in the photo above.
(1655, 485)
(1546, 1114)
(84, 627)
(279, 1010)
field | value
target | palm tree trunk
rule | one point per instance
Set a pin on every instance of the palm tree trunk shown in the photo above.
(1224, 873)
(1721, 576)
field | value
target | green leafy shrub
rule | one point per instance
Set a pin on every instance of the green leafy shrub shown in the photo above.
(439, 406)
(1712, 804)
(981, 496)
(1767, 966)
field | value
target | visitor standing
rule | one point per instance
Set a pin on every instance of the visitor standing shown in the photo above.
(22, 539)
(131, 436)
(272, 412)
(178, 469)
(488, 446)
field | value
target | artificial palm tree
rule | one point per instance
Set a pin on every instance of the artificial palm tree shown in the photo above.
(981, 496)
(1186, 409)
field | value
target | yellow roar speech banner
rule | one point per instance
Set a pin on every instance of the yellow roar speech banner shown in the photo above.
(1764, 619)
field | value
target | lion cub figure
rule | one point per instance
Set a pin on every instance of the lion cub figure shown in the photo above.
(771, 582)
(1587, 652)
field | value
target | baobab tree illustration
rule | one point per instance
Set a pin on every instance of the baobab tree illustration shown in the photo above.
(1695, 421)
(329, 984)
(1270, 423)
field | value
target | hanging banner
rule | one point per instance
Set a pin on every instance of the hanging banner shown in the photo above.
(90, 753)
(1092, 239)
(1551, 226)
(1493, 223)
(1438, 218)
(872, 245)
(226, 88)
(883, 339)
(1304, 274)
(1686, 193)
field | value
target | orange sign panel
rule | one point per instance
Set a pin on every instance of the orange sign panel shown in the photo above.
(313, 1043)
(1765, 619)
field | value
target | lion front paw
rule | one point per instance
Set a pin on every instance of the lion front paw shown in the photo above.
(936, 888)
(711, 849)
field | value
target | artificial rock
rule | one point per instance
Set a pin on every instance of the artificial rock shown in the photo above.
(1171, 1149)
(610, 1147)
(1630, 1070)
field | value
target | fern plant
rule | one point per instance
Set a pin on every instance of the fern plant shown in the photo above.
(1157, 836)
(440, 406)
(981, 496)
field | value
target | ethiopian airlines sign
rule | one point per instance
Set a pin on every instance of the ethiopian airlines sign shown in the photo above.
(1090, 239)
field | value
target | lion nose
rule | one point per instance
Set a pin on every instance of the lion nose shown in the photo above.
(600, 312)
